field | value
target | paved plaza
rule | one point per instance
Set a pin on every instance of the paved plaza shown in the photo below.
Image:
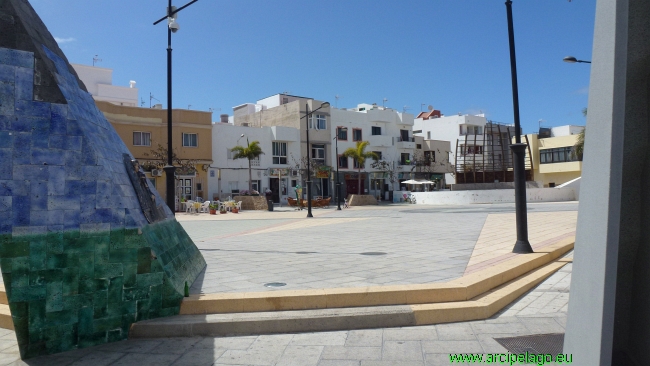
(421, 244)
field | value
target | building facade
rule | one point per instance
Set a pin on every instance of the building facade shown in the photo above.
(553, 155)
(144, 132)
(272, 170)
(99, 82)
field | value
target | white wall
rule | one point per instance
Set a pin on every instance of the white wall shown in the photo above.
(492, 196)
(99, 83)
(566, 130)
(225, 136)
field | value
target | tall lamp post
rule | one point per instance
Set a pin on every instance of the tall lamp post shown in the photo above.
(338, 183)
(522, 245)
(306, 116)
(572, 60)
(170, 169)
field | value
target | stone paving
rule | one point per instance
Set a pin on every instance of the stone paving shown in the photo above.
(540, 311)
(422, 244)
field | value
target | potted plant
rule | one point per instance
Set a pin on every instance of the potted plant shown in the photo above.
(234, 210)
(244, 192)
(255, 193)
(213, 208)
(223, 210)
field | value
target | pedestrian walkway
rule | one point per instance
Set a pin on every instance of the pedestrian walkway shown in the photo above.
(540, 311)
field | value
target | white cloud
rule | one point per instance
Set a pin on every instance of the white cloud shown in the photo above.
(64, 40)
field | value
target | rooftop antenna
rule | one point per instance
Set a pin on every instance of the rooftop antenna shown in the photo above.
(337, 97)
(384, 102)
(214, 109)
(188, 106)
(406, 108)
(540, 122)
(150, 98)
(96, 60)
(422, 105)
(141, 102)
(430, 107)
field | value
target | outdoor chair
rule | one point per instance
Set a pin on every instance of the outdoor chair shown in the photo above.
(189, 206)
(205, 207)
(238, 205)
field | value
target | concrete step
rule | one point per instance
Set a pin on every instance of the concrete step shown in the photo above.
(5, 317)
(461, 289)
(229, 324)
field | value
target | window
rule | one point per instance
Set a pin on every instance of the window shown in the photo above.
(558, 155)
(234, 186)
(279, 153)
(230, 153)
(418, 146)
(141, 138)
(356, 164)
(185, 187)
(378, 153)
(318, 153)
(342, 133)
(428, 135)
(470, 149)
(285, 100)
(318, 122)
(405, 159)
(356, 134)
(256, 185)
(343, 162)
(190, 140)
(376, 130)
(430, 156)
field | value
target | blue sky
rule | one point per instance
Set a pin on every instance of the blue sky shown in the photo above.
(452, 55)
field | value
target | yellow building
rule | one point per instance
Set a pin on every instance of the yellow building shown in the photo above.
(144, 130)
(554, 162)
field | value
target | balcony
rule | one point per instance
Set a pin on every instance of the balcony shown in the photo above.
(375, 115)
(380, 141)
(405, 143)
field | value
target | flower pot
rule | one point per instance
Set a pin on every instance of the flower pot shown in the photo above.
(213, 212)
(235, 210)
(223, 212)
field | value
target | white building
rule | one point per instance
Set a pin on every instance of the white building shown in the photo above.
(99, 83)
(475, 142)
(228, 176)
(390, 136)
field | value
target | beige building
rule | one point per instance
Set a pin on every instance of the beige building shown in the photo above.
(431, 161)
(553, 160)
(144, 130)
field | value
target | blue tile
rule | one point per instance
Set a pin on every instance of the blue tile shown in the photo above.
(7, 88)
(55, 217)
(80, 187)
(21, 124)
(20, 210)
(38, 218)
(31, 108)
(71, 220)
(7, 104)
(48, 157)
(14, 188)
(40, 138)
(16, 58)
(58, 123)
(30, 172)
(57, 142)
(5, 203)
(22, 148)
(38, 194)
(5, 122)
(72, 171)
(73, 128)
(56, 181)
(6, 164)
(6, 140)
(73, 143)
(24, 83)
(63, 203)
(7, 73)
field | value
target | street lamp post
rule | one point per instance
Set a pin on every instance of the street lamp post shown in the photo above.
(572, 60)
(338, 183)
(170, 169)
(522, 245)
(306, 116)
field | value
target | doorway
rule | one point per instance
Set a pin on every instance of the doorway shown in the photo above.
(352, 186)
(274, 186)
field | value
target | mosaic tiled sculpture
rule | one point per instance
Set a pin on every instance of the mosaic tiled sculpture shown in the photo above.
(86, 248)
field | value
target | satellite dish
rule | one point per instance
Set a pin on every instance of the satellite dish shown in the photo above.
(430, 107)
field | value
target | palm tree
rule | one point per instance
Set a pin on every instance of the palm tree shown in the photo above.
(252, 151)
(359, 154)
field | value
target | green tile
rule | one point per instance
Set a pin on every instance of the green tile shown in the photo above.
(108, 270)
(149, 279)
(123, 256)
(100, 301)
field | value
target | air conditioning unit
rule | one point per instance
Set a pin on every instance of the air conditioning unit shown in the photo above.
(295, 173)
(156, 172)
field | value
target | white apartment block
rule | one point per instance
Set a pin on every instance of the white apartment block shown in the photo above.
(99, 83)
(390, 136)
(475, 142)
(272, 170)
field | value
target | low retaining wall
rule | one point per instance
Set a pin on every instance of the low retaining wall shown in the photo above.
(362, 200)
(497, 185)
(252, 202)
(494, 196)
